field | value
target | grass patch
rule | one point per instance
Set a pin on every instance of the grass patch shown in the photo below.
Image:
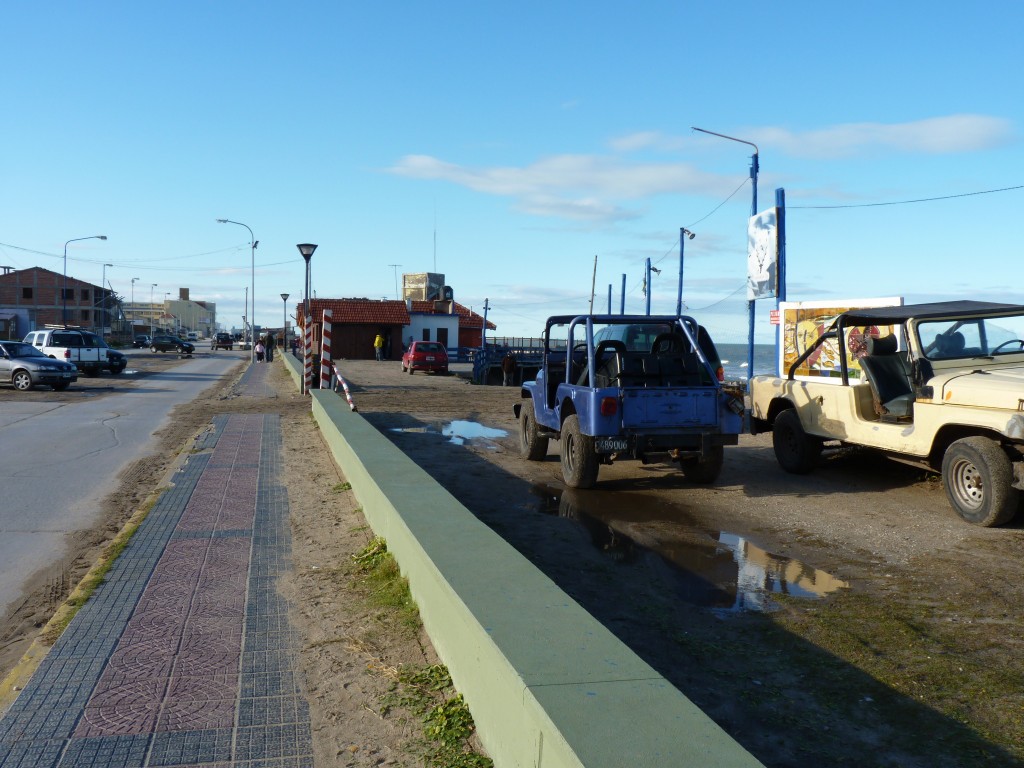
(425, 691)
(340, 487)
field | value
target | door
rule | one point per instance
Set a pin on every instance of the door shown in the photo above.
(442, 336)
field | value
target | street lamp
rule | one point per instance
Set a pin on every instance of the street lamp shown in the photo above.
(134, 279)
(683, 234)
(306, 249)
(284, 322)
(103, 288)
(64, 311)
(151, 287)
(252, 320)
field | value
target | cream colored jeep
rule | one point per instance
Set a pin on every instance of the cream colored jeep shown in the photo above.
(937, 385)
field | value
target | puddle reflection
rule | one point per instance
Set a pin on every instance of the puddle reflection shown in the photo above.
(713, 569)
(458, 431)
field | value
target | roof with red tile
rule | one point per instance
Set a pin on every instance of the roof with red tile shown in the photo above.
(385, 312)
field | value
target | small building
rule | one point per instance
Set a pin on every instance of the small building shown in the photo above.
(356, 323)
(36, 297)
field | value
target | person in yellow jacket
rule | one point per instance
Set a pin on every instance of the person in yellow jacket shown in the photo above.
(378, 346)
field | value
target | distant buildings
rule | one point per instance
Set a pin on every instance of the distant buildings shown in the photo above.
(34, 298)
(427, 312)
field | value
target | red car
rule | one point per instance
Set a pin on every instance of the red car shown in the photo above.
(425, 356)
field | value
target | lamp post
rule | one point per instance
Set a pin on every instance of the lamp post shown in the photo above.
(683, 234)
(134, 280)
(103, 288)
(306, 249)
(151, 287)
(252, 253)
(64, 291)
(754, 167)
(284, 322)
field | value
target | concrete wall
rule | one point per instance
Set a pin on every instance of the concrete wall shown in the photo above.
(547, 684)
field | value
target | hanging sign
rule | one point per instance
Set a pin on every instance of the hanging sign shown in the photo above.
(763, 255)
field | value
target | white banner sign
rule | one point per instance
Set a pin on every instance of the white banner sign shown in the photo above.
(763, 255)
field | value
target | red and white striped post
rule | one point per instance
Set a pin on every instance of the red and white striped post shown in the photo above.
(307, 350)
(325, 352)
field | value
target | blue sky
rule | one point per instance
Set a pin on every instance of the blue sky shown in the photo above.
(506, 146)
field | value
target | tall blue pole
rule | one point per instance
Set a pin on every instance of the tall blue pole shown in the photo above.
(647, 286)
(750, 303)
(780, 296)
(609, 298)
(679, 294)
(622, 299)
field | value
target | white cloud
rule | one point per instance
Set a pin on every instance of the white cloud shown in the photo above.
(571, 186)
(935, 136)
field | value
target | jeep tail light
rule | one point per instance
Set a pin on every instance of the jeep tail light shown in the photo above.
(609, 406)
(720, 373)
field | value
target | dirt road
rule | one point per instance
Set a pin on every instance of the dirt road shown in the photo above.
(916, 661)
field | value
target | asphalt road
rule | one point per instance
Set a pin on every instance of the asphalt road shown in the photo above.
(58, 460)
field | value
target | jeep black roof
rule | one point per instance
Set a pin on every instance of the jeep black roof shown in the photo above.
(902, 313)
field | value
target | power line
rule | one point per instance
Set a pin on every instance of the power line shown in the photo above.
(908, 202)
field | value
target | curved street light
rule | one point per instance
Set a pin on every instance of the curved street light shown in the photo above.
(64, 291)
(253, 242)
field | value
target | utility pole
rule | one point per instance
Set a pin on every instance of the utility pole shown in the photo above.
(396, 266)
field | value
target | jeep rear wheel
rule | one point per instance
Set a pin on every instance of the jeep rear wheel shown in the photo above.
(531, 444)
(795, 450)
(579, 461)
(977, 476)
(704, 472)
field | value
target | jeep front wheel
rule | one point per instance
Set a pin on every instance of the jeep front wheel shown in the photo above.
(977, 476)
(795, 450)
(579, 461)
(531, 444)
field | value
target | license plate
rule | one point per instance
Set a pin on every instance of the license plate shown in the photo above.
(612, 444)
(65, 375)
(430, 358)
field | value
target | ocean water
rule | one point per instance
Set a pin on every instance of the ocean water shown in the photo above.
(734, 359)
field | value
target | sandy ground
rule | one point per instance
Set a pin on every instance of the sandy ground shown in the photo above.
(915, 662)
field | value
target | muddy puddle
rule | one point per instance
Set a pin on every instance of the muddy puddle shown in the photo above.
(714, 569)
(457, 432)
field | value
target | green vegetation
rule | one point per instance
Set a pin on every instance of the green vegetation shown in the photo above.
(424, 691)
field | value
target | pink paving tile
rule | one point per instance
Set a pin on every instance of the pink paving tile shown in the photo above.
(127, 708)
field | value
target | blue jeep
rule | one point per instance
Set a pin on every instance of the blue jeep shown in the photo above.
(629, 386)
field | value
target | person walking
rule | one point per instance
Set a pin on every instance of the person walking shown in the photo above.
(269, 351)
(259, 351)
(508, 368)
(378, 347)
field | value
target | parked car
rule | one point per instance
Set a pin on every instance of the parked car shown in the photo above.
(222, 340)
(171, 343)
(648, 388)
(116, 361)
(425, 356)
(142, 340)
(939, 386)
(75, 345)
(192, 336)
(23, 366)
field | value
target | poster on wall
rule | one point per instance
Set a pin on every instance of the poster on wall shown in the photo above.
(763, 255)
(804, 321)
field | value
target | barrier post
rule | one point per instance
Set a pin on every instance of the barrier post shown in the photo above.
(307, 355)
(325, 352)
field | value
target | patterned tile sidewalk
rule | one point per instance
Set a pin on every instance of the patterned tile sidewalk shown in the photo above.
(184, 656)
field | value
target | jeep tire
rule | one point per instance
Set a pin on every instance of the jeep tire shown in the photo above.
(531, 444)
(579, 459)
(795, 450)
(977, 476)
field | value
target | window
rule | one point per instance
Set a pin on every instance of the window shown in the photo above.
(85, 294)
(26, 293)
(67, 293)
(85, 314)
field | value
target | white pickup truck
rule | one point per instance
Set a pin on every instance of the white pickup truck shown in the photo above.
(86, 350)
(938, 385)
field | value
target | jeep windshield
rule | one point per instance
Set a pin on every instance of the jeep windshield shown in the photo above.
(969, 337)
